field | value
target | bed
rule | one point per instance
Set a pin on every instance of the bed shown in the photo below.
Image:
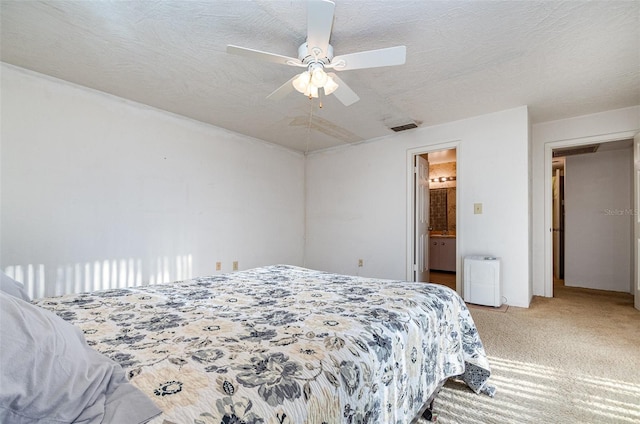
(283, 344)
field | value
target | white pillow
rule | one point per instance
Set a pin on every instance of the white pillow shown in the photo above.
(12, 287)
(50, 374)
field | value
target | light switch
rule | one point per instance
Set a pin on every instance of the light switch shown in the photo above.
(477, 208)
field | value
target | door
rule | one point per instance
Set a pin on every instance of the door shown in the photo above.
(421, 217)
(556, 224)
(636, 219)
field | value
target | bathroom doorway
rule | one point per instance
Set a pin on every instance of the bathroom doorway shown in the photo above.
(442, 217)
(433, 249)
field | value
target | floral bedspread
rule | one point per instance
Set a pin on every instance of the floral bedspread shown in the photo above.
(283, 344)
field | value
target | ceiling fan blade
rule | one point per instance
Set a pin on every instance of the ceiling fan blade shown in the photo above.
(319, 23)
(370, 59)
(264, 56)
(343, 93)
(282, 91)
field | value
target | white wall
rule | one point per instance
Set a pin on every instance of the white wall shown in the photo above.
(357, 199)
(598, 223)
(99, 192)
(600, 127)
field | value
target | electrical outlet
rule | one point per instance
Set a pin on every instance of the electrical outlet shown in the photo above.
(360, 262)
(477, 208)
(218, 266)
(235, 265)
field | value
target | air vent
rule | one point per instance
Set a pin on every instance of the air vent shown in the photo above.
(404, 127)
(570, 151)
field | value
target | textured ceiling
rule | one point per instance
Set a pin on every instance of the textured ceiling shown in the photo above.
(561, 58)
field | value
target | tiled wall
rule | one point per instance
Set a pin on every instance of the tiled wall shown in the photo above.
(443, 197)
(451, 210)
(438, 209)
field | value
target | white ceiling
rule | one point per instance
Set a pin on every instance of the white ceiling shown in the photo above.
(561, 58)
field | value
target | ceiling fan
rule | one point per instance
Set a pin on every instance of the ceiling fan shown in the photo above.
(316, 55)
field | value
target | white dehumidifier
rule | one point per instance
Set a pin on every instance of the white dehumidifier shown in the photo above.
(482, 283)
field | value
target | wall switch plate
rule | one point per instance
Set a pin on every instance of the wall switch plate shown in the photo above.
(360, 262)
(477, 208)
(218, 266)
(235, 265)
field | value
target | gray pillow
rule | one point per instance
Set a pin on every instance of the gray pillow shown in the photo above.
(50, 374)
(12, 287)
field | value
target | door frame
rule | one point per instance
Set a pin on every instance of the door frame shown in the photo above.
(411, 153)
(548, 193)
(636, 221)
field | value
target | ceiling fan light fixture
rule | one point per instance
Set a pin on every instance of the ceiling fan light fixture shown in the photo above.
(309, 82)
(312, 91)
(301, 83)
(318, 77)
(330, 86)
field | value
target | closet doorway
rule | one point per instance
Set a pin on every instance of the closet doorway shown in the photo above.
(591, 216)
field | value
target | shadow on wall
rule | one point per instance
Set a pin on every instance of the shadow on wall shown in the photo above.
(41, 281)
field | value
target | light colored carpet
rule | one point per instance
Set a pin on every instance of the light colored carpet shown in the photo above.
(574, 358)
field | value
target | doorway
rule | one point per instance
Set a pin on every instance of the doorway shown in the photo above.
(435, 251)
(591, 238)
(558, 217)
